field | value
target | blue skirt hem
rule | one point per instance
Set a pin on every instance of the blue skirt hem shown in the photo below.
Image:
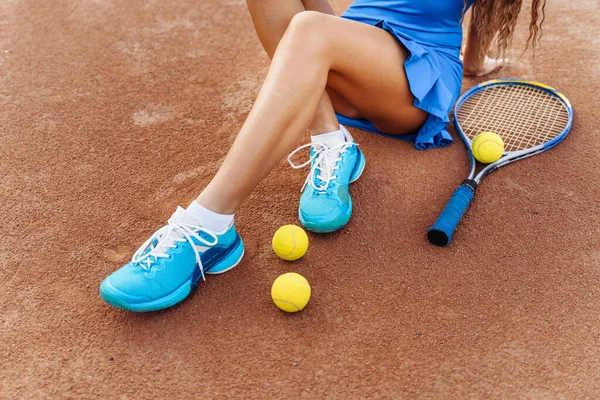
(431, 94)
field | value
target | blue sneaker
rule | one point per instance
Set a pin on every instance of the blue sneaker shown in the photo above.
(335, 161)
(169, 265)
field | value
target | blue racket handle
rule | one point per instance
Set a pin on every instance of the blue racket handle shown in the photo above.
(441, 232)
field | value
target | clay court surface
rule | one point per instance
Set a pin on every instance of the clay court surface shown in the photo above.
(112, 113)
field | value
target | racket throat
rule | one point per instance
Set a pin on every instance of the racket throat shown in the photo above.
(470, 183)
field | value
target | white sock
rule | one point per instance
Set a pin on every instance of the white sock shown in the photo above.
(210, 219)
(334, 138)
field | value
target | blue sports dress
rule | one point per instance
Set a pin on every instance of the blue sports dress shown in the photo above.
(431, 30)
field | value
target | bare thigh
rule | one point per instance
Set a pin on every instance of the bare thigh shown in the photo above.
(367, 77)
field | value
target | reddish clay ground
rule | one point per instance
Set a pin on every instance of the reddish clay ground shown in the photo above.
(114, 112)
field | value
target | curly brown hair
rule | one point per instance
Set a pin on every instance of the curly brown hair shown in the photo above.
(496, 19)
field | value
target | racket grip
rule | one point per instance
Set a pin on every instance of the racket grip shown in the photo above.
(441, 232)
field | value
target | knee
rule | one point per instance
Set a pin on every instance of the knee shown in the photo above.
(308, 19)
(308, 30)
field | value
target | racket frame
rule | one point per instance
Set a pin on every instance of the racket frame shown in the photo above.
(509, 156)
(440, 234)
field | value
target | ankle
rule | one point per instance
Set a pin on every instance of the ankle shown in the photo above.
(214, 203)
(318, 129)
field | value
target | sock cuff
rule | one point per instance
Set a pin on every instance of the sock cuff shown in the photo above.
(340, 134)
(210, 219)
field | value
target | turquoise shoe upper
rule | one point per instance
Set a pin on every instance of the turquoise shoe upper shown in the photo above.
(166, 267)
(325, 204)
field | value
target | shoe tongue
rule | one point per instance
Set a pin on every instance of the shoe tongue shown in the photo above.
(180, 216)
(162, 242)
(331, 140)
(183, 216)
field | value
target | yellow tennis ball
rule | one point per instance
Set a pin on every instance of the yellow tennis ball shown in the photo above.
(290, 292)
(290, 242)
(487, 147)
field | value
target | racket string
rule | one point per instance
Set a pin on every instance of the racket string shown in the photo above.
(520, 141)
(547, 129)
(543, 101)
(523, 116)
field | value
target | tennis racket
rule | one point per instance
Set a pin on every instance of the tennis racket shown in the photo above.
(529, 117)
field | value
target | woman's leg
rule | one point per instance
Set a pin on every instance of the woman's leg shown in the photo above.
(271, 19)
(362, 63)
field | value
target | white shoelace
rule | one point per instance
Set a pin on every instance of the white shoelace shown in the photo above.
(326, 159)
(176, 231)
